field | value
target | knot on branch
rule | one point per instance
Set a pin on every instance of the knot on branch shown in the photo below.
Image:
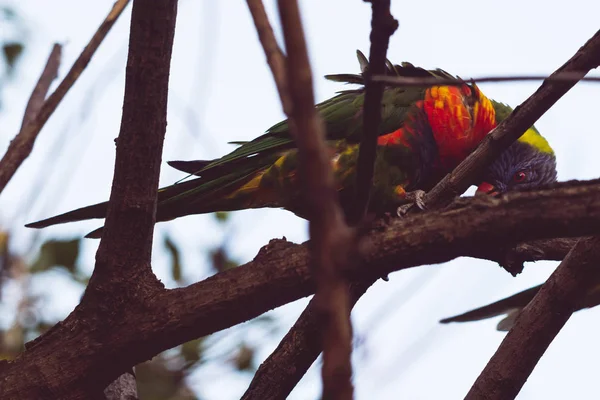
(273, 247)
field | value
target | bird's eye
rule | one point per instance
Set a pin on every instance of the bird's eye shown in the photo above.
(519, 177)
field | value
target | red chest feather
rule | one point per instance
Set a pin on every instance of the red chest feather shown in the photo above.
(460, 117)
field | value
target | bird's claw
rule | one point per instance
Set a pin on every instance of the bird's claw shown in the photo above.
(417, 198)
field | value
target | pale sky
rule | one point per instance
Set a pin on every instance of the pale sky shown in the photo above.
(221, 90)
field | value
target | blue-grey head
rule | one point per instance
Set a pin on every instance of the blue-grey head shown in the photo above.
(522, 166)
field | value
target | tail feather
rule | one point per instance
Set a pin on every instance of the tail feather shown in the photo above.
(89, 212)
(504, 306)
(190, 167)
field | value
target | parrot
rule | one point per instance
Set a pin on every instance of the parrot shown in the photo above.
(511, 307)
(425, 132)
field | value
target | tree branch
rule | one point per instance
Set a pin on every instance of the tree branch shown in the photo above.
(71, 360)
(330, 238)
(290, 361)
(22, 145)
(538, 323)
(383, 25)
(137, 330)
(275, 57)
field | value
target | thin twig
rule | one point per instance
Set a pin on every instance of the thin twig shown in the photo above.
(20, 147)
(330, 236)
(383, 25)
(403, 81)
(275, 57)
(30, 131)
(40, 91)
(539, 323)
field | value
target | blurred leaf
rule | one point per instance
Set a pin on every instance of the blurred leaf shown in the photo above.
(57, 252)
(8, 12)
(244, 359)
(192, 351)
(222, 216)
(4, 236)
(157, 381)
(221, 261)
(175, 258)
(12, 52)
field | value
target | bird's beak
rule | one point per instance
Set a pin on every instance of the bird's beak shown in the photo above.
(487, 189)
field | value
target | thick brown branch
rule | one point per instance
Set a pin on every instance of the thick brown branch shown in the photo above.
(30, 131)
(126, 243)
(383, 25)
(524, 116)
(538, 323)
(20, 147)
(330, 238)
(278, 275)
(275, 57)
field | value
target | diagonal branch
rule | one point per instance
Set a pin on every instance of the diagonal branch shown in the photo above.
(275, 57)
(20, 147)
(539, 323)
(383, 25)
(330, 238)
(29, 131)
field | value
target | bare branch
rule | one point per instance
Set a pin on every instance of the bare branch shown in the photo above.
(29, 131)
(275, 57)
(524, 116)
(280, 274)
(331, 239)
(538, 323)
(20, 147)
(405, 81)
(299, 348)
(126, 243)
(40, 91)
(383, 25)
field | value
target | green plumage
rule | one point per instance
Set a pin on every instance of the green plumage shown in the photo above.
(262, 172)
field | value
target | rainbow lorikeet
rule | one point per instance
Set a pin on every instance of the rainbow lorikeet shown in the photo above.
(424, 134)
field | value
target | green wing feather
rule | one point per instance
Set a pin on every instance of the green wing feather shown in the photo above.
(342, 114)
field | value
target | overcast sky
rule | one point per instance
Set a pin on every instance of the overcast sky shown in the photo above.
(221, 90)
